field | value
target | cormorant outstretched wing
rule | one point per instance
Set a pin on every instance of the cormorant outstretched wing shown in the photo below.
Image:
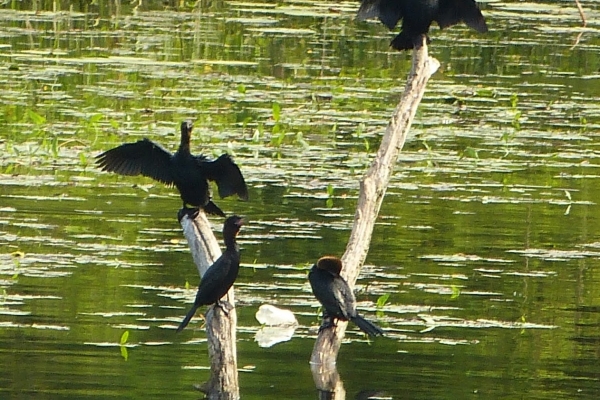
(227, 175)
(452, 12)
(143, 157)
(389, 12)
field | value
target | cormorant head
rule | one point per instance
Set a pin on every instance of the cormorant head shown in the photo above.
(186, 131)
(232, 226)
(330, 264)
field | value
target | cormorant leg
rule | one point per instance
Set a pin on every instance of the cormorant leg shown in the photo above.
(224, 305)
(328, 322)
(190, 212)
(211, 208)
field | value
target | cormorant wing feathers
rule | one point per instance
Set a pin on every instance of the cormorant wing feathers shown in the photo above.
(387, 11)
(217, 279)
(345, 298)
(143, 157)
(226, 174)
(213, 274)
(452, 12)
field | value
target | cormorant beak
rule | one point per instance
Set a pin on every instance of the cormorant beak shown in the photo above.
(187, 126)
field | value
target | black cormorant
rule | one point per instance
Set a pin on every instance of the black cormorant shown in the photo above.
(219, 277)
(417, 16)
(187, 172)
(335, 295)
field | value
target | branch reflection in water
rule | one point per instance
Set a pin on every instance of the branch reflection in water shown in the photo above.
(330, 386)
(328, 382)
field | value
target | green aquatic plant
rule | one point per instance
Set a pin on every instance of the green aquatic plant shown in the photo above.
(277, 131)
(568, 195)
(47, 144)
(469, 152)
(276, 109)
(9, 168)
(455, 292)
(508, 136)
(381, 302)
(16, 259)
(516, 121)
(583, 122)
(83, 160)
(124, 337)
(36, 118)
(430, 158)
(329, 202)
(360, 129)
(122, 345)
(278, 136)
(516, 113)
(299, 139)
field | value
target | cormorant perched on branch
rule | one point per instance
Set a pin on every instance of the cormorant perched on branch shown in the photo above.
(187, 172)
(219, 277)
(335, 295)
(417, 16)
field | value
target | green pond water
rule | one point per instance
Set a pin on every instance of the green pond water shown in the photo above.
(488, 241)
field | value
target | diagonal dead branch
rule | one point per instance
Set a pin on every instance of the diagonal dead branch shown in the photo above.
(372, 190)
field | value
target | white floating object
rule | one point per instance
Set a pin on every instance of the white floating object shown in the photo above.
(272, 316)
(268, 336)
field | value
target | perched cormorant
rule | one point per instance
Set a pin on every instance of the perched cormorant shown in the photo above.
(187, 172)
(417, 16)
(219, 277)
(335, 295)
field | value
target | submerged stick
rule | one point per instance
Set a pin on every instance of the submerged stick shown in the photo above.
(220, 327)
(583, 23)
(373, 188)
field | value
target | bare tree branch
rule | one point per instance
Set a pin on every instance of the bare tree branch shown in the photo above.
(372, 190)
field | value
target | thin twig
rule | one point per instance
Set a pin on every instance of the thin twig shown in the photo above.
(583, 23)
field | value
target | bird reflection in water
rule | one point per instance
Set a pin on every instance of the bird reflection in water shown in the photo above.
(331, 387)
